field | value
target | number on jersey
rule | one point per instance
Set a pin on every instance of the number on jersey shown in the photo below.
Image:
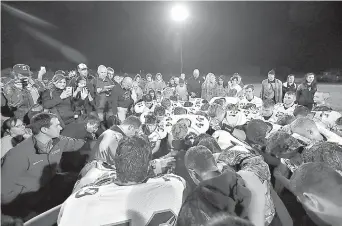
(158, 218)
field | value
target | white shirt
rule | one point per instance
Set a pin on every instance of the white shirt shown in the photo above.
(6, 144)
(156, 202)
(256, 100)
(279, 108)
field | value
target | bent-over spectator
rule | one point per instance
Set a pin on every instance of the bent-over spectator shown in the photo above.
(30, 179)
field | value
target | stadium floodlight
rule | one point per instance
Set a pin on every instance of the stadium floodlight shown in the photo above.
(179, 13)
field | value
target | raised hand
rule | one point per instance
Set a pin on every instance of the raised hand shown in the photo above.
(65, 94)
(84, 94)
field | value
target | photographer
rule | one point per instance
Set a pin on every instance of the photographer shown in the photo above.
(22, 92)
(58, 99)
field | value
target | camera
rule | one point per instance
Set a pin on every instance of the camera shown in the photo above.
(24, 82)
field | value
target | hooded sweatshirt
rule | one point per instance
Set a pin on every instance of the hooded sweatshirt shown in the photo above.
(225, 193)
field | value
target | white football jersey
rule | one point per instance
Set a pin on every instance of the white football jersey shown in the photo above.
(256, 100)
(280, 109)
(156, 202)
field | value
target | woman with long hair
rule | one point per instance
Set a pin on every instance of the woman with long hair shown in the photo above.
(58, 99)
(149, 83)
(221, 88)
(138, 81)
(137, 90)
(209, 87)
(306, 91)
(13, 131)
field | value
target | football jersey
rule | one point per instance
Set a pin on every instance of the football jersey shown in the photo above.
(279, 109)
(256, 100)
(156, 202)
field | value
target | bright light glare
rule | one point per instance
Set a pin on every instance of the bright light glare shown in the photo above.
(179, 13)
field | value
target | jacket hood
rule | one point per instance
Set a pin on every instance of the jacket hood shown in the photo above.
(227, 192)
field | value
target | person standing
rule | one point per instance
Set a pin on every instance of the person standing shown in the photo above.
(290, 84)
(209, 87)
(121, 98)
(306, 91)
(195, 85)
(271, 88)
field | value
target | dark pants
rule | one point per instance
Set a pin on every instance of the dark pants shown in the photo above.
(28, 205)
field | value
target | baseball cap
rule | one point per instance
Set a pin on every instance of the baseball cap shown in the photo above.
(22, 69)
(82, 66)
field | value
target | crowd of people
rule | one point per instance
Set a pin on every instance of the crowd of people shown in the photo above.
(105, 149)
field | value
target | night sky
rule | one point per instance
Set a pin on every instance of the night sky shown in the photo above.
(219, 36)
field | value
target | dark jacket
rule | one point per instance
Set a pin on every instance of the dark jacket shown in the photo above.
(195, 86)
(305, 94)
(221, 194)
(62, 107)
(82, 107)
(26, 168)
(120, 98)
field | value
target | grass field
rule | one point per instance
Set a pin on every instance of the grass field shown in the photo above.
(335, 90)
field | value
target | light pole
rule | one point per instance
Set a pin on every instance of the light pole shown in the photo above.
(179, 14)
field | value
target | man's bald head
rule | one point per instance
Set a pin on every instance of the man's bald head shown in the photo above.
(307, 128)
(127, 83)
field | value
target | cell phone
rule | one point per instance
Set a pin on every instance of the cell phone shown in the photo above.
(110, 86)
(69, 89)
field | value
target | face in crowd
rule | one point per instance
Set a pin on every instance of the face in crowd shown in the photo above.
(110, 73)
(158, 77)
(271, 76)
(289, 98)
(249, 93)
(220, 81)
(291, 79)
(196, 73)
(60, 84)
(102, 72)
(83, 70)
(177, 81)
(310, 78)
(52, 130)
(82, 83)
(127, 83)
(14, 127)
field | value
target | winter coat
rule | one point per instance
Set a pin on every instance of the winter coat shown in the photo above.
(221, 194)
(305, 94)
(62, 107)
(272, 90)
